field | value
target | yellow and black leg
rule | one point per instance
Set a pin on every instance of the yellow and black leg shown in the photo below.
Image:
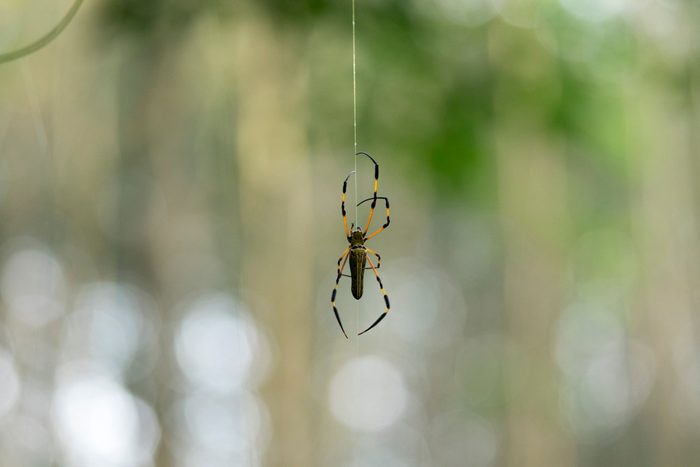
(379, 258)
(388, 215)
(341, 265)
(386, 298)
(342, 257)
(342, 205)
(374, 196)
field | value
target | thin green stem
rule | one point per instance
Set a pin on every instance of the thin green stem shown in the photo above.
(46, 39)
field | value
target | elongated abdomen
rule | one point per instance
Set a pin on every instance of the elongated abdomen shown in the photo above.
(358, 257)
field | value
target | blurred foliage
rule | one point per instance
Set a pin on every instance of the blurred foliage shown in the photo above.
(541, 160)
(158, 17)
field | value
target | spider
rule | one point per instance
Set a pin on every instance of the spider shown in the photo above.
(357, 252)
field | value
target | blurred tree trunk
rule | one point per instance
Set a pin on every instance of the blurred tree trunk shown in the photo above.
(669, 238)
(137, 82)
(276, 215)
(135, 85)
(532, 180)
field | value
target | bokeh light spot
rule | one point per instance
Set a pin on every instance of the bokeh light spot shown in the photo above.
(33, 286)
(595, 10)
(216, 344)
(368, 394)
(607, 375)
(101, 424)
(108, 324)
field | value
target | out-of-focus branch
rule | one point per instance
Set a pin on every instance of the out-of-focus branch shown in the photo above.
(44, 40)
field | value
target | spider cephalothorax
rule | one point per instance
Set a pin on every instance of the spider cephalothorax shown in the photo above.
(357, 238)
(357, 252)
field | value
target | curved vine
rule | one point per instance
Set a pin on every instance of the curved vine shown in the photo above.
(44, 40)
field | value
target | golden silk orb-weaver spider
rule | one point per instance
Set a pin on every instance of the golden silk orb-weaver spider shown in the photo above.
(357, 252)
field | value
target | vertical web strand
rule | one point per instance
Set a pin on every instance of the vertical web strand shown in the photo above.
(354, 131)
(354, 106)
(354, 134)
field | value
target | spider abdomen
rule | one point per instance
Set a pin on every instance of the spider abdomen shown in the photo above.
(358, 259)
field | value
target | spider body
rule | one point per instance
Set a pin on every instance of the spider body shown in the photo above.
(357, 253)
(358, 262)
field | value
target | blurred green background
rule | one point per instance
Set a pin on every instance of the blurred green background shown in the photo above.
(170, 179)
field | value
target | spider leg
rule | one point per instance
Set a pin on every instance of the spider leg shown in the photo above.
(342, 205)
(388, 214)
(345, 252)
(386, 298)
(379, 258)
(342, 259)
(376, 187)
